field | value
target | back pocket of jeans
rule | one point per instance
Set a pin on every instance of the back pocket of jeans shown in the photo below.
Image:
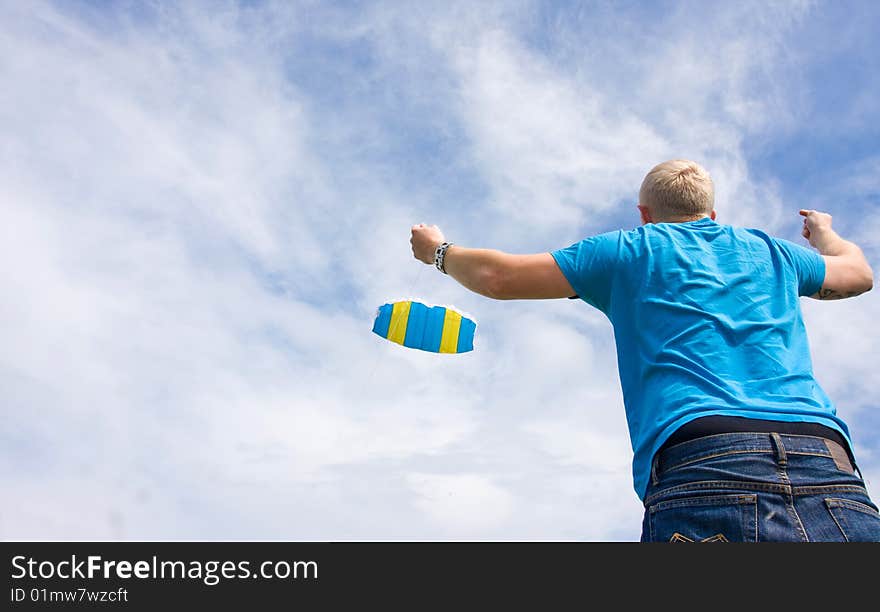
(857, 521)
(715, 518)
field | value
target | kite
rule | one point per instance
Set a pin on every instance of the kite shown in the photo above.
(436, 329)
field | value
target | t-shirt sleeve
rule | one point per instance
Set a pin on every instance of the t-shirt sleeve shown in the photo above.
(808, 265)
(588, 266)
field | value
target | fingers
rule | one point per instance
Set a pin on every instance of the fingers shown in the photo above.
(815, 216)
(421, 227)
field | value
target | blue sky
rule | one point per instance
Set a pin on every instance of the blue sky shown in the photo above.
(204, 204)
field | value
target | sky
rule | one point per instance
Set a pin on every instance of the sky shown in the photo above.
(204, 203)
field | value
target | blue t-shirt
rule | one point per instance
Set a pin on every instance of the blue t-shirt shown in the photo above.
(706, 321)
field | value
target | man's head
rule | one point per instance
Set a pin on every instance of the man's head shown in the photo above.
(675, 191)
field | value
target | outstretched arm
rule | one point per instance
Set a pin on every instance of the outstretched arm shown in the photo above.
(494, 274)
(847, 272)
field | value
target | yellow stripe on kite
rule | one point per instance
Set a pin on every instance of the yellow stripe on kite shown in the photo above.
(451, 327)
(399, 317)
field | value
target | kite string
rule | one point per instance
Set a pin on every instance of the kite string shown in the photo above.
(408, 296)
(415, 280)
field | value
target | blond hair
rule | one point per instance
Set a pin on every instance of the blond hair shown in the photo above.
(677, 190)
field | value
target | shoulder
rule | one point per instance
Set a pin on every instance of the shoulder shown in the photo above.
(606, 242)
(792, 251)
(612, 236)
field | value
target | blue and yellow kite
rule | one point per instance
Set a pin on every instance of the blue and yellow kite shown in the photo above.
(436, 329)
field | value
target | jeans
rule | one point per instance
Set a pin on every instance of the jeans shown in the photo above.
(757, 487)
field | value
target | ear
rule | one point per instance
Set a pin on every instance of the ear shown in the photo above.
(645, 214)
(712, 215)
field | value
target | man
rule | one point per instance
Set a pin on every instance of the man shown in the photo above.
(733, 438)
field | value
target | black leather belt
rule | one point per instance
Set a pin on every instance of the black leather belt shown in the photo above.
(716, 424)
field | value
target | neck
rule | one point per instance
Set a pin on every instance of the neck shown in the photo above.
(682, 219)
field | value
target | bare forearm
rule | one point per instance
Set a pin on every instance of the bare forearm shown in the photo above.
(475, 269)
(829, 242)
(494, 274)
(847, 271)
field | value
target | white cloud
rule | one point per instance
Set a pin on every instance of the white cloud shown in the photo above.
(463, 504)
(551, 148)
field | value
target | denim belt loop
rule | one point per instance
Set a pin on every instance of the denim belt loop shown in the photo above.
(655, 479)
(781, 457)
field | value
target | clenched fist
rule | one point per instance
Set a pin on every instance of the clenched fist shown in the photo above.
(815, 224)
(425, 240)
